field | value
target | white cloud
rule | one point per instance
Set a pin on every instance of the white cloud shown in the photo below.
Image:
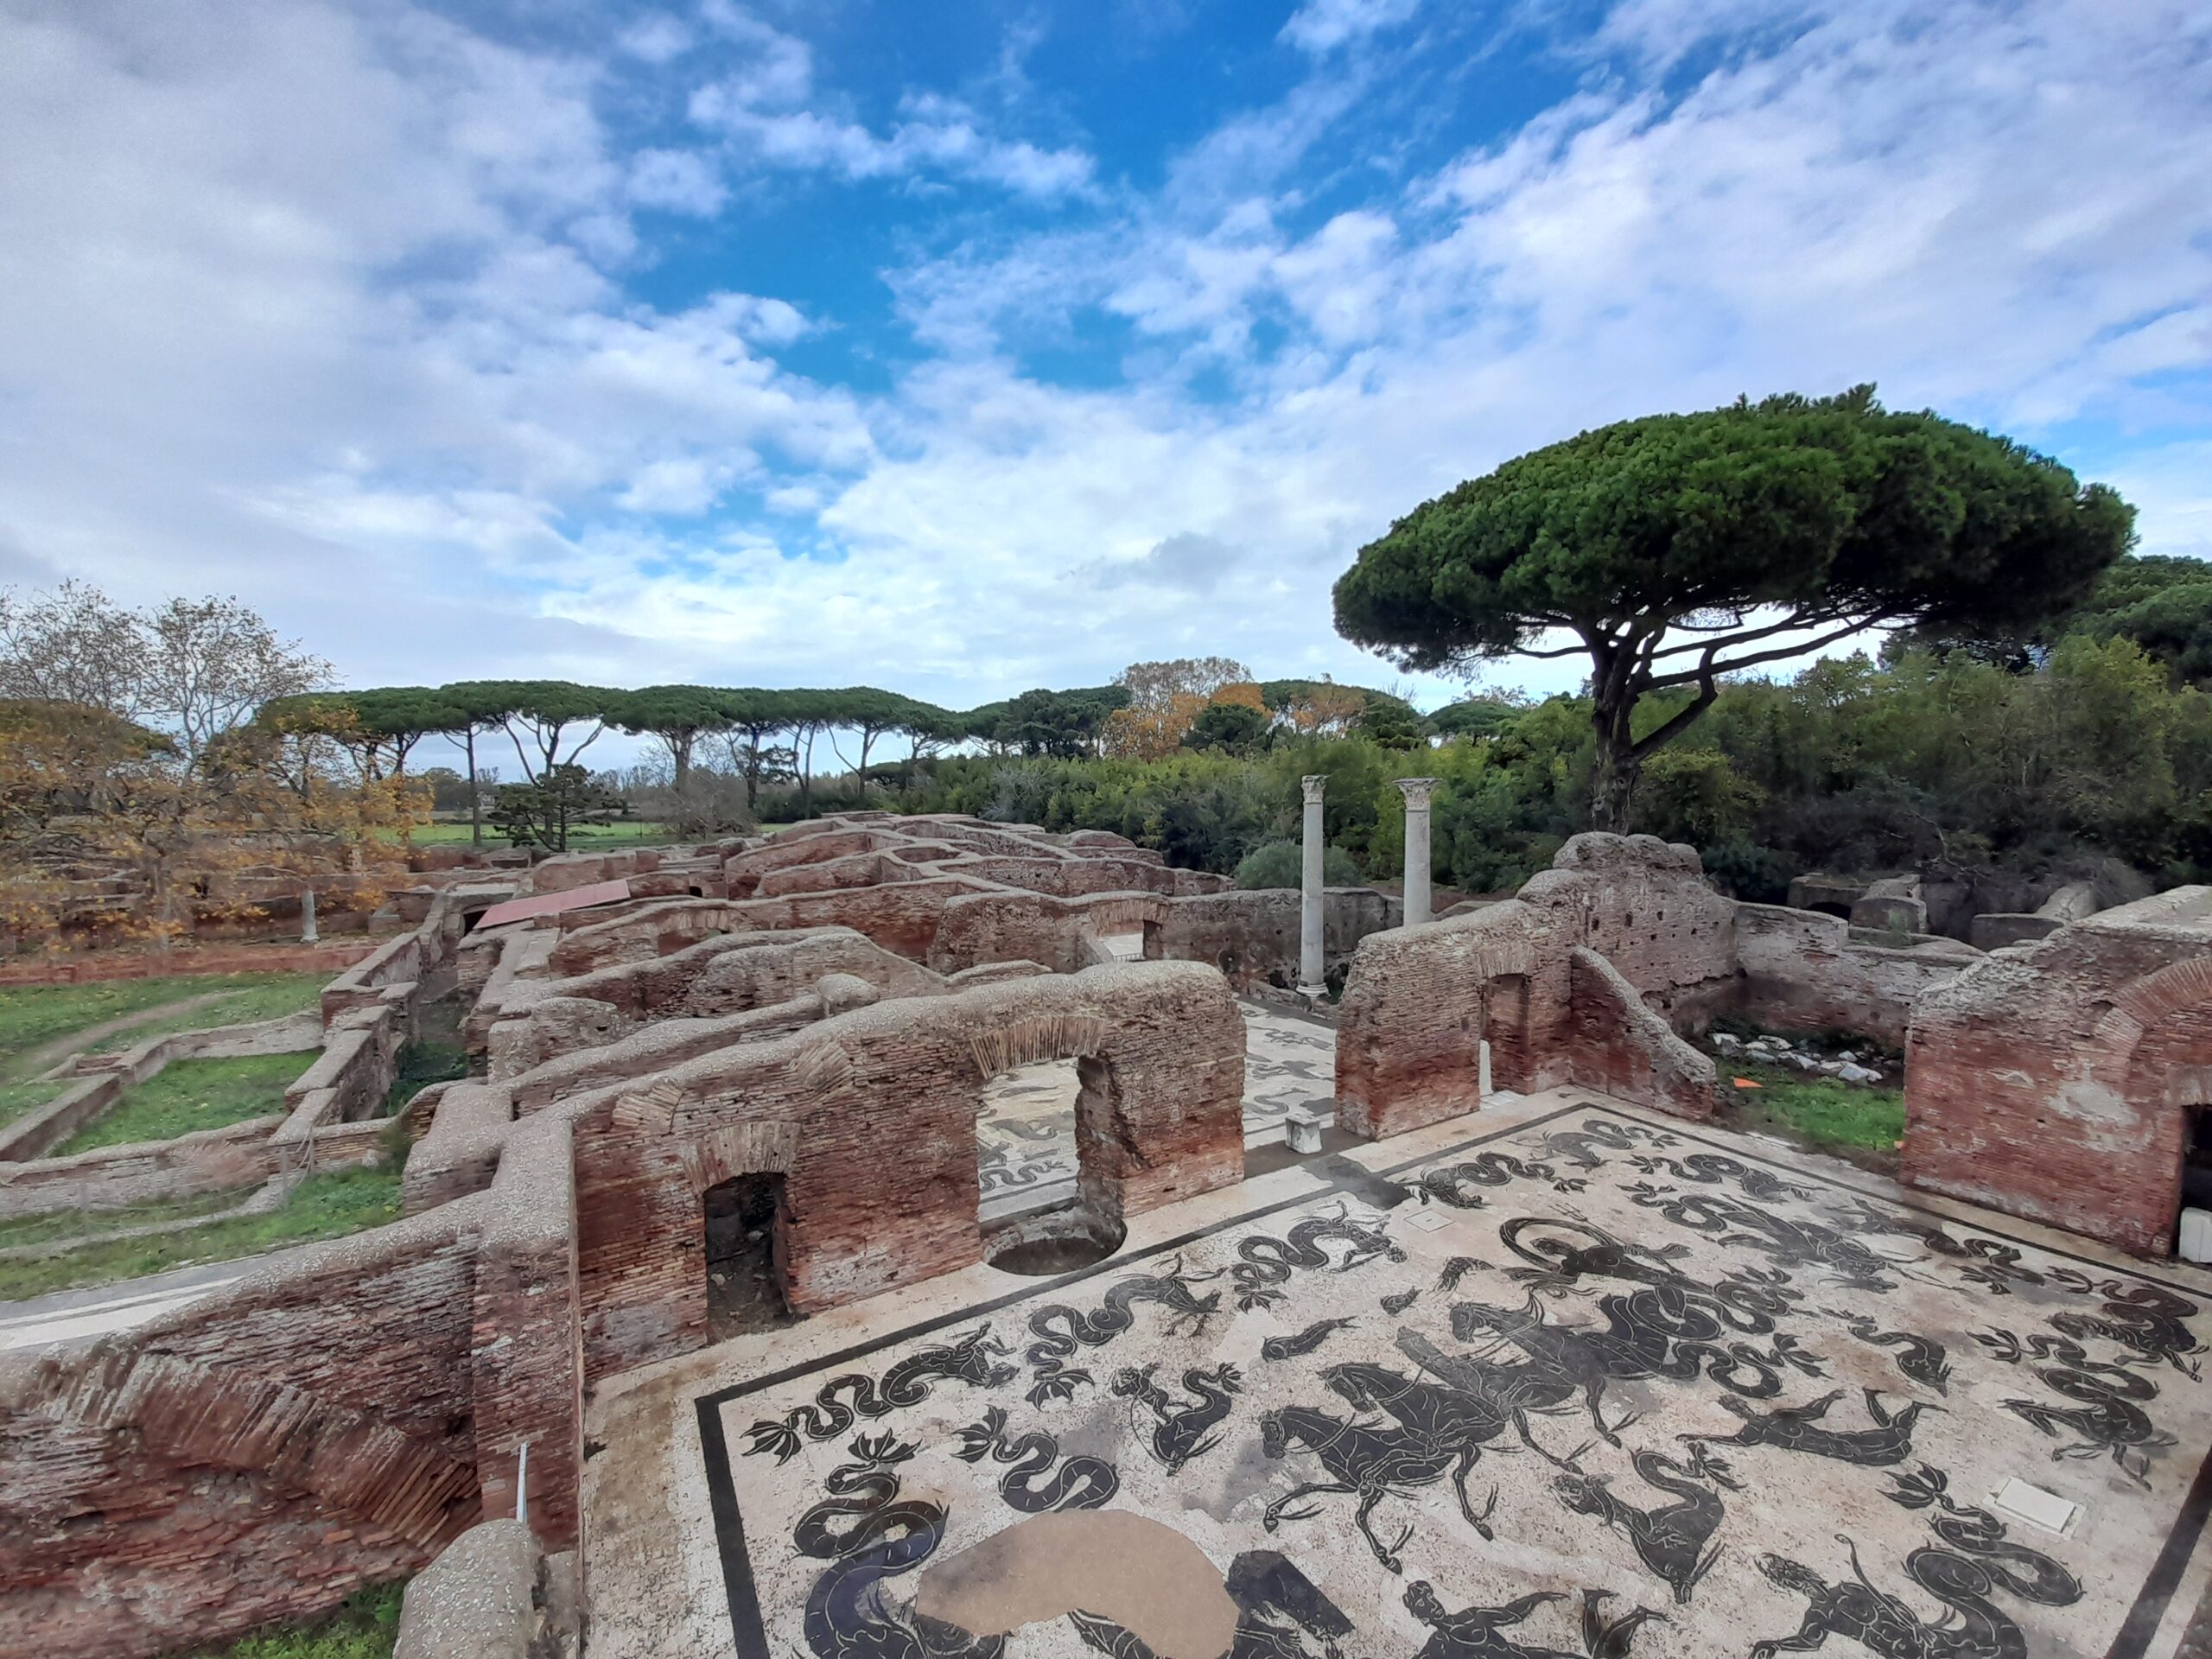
(1321, 25)
(337, 315)
(656, 38)
(676, 181)
(763, 109)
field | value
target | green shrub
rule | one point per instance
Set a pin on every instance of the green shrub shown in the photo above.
(1282, 864)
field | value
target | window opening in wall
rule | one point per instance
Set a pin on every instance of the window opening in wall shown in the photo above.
(1077, 1221)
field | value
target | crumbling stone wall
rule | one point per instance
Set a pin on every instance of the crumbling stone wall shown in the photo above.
(1664, 951)
(871, 1119)
(1800, 971)
(1622, 1046)
(2056, 1081)
(1253, 937)
(1413, 1015)
(253, 1457)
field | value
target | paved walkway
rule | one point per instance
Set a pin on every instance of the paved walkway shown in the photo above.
(68, 1314)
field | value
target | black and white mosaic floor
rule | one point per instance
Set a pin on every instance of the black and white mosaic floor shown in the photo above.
(1589, 1386)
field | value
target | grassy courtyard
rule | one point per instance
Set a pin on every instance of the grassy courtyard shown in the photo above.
(627, 832)
(189, 1094)
(1862, 1123)
(322, 1207)
(34, 1017)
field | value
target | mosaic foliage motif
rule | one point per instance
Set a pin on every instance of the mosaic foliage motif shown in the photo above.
(1587, 1389)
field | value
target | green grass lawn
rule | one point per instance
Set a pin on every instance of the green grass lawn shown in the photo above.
(366, 1627)
(73, 1223)
(32, 1016)
(16, 1098)
(189, 1095)
(627, 832)
(322, 1207)
(1823, 1113)
(251, 997)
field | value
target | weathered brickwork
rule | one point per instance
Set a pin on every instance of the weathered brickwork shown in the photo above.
(1253, 938)
(2056, 1080)
(825, 1008)
(1420, 1002)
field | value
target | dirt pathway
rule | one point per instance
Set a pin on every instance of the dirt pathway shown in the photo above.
(47, 1056)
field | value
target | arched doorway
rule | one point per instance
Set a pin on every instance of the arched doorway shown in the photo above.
(746, 1219)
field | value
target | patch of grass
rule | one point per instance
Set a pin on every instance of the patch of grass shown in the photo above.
(1819, 1111)
(70, 1223)
(269, 996)
(627, 832)
(189, 1095)
(366, 1627)
(16, 1098)
(438, 1054)
(322, 1207)
(32, 1016)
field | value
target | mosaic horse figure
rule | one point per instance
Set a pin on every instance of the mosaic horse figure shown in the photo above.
(1364, 1460)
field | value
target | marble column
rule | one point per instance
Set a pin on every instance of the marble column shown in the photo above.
(1416, 792)
(1312, 970)
(308, 934)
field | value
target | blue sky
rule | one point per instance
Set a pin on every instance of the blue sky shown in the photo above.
(964, 347)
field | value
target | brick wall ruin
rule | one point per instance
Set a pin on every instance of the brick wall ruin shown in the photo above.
(2056, 1080)
(823, 1009)
(1421, 1004)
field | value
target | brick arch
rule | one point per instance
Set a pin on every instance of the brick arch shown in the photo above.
(1027, 1038)
(756, 1149)
(1124, 910)
(2138, 1007)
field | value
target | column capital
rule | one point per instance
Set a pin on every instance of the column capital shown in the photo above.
(1314, 784)
(1416, 792)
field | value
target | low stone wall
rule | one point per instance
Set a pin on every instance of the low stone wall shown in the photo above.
(254, 1457)
(349, 1081)
(39, 1131)
(1415, 1012)
(1253, 937)
(331, 1422)
(1582, 978)
(1800, 970)
(237, 1157)
(870, 1119)
(2058, 1081)
(1622, 1046)
(103, 1080)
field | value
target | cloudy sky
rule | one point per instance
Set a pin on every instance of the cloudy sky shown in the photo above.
(961, 347)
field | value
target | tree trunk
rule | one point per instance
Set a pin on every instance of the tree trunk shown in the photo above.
(1613, 791)
(475, 794)
(681, 748)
